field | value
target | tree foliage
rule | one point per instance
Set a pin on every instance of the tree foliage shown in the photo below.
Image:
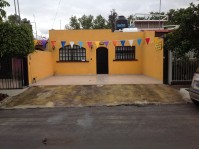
(74, 23)
(86, 21)
(15, 40)
(89, 22)
(3, 4)
(15, 19)
(186, 38)
(99, 22)
(130, 19)
(111, 19)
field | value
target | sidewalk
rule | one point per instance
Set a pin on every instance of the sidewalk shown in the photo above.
(13, 92)
(97, 79)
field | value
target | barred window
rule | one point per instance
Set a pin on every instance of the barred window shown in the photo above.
(125, 53)
(75, 53)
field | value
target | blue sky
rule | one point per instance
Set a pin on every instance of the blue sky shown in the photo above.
(45, 10)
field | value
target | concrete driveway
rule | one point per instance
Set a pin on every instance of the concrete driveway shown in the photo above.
(95, 90)
(95, 95)
(97, 79)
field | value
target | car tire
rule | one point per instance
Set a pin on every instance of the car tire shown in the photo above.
(195, 102)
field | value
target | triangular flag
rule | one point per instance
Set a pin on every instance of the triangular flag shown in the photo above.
(115, 43)
(43, 42)
(147, 40)
(35, 42)
(139, 41)
(71, 44)
(131, 42)
(63, 43)
(39, 42)
(80, 44)
(106, 43)
(89, 44)
(53, 43)
(122, 42)
(155, 39)
(97, 43)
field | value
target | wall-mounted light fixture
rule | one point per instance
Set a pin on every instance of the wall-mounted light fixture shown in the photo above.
(91, 46)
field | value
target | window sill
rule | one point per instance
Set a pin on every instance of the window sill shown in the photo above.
(72, 61)
(125, 60)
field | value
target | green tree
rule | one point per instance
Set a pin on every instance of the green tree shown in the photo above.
(74, 23)
(172, 19)
(156, 15)
(25, 21)
(130, 19)
(3, 4)
(15, 40)
(111, 19)
(13, 18)
(99, 22)
(86, 22)
(68, 27)
(186, 37)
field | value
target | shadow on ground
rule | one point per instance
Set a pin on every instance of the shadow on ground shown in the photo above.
(95, 95)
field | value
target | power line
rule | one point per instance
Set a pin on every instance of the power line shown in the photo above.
(56, 13)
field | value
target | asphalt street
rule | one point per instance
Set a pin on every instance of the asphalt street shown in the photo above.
(119, 127)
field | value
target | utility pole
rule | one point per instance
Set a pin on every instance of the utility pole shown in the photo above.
(60, 24)
(19, 11)
(159, 14)
(15, 8)
(35, 26)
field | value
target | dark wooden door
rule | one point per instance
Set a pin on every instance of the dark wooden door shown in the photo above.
(102, 60)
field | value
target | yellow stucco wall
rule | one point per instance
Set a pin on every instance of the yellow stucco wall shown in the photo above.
(152, 58)
(115, 67)
(149, 60)
(40, 65)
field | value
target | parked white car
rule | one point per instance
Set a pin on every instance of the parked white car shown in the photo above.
(194, 89)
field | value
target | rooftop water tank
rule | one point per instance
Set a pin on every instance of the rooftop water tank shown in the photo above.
(121, 23)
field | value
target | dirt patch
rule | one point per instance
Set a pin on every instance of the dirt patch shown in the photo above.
(3, 96)
(95, 95)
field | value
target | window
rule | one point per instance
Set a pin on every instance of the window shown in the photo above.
(74, 53)
(125, 53)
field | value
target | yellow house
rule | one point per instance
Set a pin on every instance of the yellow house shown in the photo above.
(82, 52)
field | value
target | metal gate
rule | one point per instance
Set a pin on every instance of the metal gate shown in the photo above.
(181, 70)
(13, 73)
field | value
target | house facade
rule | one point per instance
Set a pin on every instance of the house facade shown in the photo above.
(88, 52)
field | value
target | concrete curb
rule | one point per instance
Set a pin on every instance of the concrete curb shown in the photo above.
(140, 104)
(185, 95)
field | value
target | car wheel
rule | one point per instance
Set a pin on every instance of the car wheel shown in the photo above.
(195, 102)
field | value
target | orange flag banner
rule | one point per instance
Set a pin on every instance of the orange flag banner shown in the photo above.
(53, 44)
(115, 43)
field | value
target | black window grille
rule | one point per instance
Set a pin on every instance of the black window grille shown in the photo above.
(125, 53)
(75, 53)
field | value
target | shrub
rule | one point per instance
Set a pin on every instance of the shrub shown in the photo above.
(15, 40)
